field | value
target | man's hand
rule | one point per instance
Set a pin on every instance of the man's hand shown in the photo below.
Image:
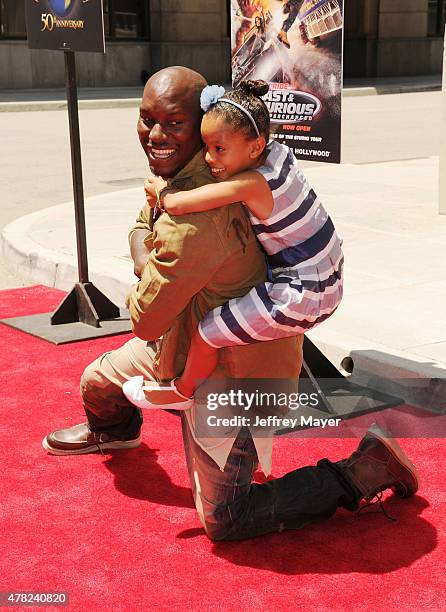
(152, 187)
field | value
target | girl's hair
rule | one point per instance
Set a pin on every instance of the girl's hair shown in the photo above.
(247, 94)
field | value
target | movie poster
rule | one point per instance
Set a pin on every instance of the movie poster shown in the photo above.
(296, 46)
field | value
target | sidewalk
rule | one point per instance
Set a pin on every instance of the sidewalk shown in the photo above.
(392, 320)
(120, 97)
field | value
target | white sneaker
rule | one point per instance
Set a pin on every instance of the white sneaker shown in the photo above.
(150, 394)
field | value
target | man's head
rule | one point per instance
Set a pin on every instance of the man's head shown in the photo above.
(170, 117)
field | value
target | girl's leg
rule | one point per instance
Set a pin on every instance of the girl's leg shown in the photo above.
(201, 362)
(177, 395)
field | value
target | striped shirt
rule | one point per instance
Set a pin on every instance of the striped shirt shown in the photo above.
(304, 258)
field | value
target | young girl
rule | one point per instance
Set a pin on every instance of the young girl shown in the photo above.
(304, 253)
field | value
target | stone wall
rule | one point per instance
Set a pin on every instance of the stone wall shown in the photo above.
(183, 32)
(389, 38)
(382, 38)
(403, 18)
(23, 68)
(191, 33)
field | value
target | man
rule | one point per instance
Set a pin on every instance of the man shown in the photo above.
(188, 265)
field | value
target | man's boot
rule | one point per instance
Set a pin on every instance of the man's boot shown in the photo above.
(283, 37)
(379, 464)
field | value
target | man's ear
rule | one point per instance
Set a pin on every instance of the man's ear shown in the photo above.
(257, 147)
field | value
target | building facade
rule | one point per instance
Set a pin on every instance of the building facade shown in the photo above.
(382, 38)
(393, 37)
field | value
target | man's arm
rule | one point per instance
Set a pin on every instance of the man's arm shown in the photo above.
(140, 241)
(139, 251)
(187, 252)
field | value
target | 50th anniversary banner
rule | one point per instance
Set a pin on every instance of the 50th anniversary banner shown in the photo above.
(67, 25)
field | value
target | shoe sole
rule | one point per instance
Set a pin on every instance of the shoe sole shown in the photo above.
(397, 453)
(91, 449)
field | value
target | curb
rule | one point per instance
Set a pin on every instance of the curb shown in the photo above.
(51, 105)
(348, 92)
(381, 368)
(41, 265)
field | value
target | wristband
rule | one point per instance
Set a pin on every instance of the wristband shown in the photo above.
(159, 195)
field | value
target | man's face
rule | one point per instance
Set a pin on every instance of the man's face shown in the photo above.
(169, 126)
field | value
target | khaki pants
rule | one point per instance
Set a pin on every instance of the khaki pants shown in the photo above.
(101, 388)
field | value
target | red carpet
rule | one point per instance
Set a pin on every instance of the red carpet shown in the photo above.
(120, 533)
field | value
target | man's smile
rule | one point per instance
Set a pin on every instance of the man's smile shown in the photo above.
(160, 153)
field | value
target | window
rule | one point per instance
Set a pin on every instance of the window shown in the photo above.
(436, 17)
(126, 19)
(12, 19)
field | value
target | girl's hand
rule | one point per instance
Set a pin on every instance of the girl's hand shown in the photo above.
(152, 186)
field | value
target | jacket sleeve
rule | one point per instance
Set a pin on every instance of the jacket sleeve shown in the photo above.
(187, 252)
(142, 222)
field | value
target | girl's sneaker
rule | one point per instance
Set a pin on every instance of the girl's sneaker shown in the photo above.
(150, 394)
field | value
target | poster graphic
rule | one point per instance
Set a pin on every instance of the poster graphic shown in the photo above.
(296, 46)
(66, 25)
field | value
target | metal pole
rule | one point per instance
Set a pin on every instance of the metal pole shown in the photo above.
(442, 165)
(76, 165)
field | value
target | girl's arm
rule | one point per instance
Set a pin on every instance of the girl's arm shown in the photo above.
(249, 187)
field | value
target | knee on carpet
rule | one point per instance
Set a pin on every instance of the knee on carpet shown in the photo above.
(216, 532)
(218, 523)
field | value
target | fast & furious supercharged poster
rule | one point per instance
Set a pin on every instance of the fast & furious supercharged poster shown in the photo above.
(296, 46)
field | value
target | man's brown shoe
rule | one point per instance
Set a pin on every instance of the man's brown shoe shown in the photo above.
(283, 37)
(80, 440)
(379, 464)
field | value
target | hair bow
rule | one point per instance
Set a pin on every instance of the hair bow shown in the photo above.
(211, 95)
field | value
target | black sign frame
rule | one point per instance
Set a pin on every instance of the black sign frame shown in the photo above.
(66, 25)
(70, 26)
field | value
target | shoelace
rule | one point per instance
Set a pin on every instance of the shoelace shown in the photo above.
(97, 439)
(378, 500)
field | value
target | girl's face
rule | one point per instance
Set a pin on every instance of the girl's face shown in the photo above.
(228, 152)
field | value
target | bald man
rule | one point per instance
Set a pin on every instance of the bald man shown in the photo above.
(187, 266)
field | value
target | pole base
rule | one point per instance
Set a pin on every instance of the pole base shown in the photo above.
(40, 326)
(84, 313)
(85, 304)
